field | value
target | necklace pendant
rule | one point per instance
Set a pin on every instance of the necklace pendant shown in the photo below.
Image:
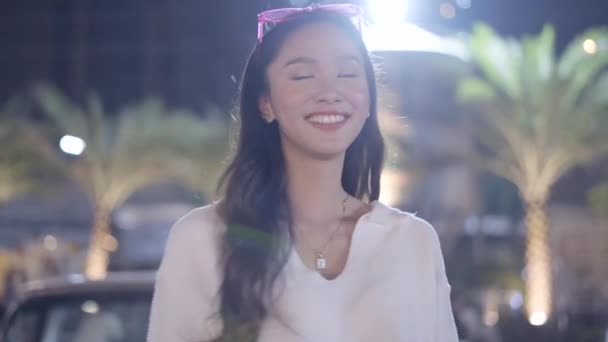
(321, 262)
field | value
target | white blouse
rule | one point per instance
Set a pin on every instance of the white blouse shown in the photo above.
(393, 287)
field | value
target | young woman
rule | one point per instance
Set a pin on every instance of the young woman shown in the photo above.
(299, 248)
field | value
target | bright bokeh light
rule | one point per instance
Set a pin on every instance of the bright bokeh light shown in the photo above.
(538, 318)
(90, 307)
(447, 10)
(590, 46)
(72, 145)
(50, 242)
(464, 4)
(490, 318)
(409, 37)
(388, 11)
(516, 300)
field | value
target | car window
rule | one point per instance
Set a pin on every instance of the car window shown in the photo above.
(108, 318)
(23, 327)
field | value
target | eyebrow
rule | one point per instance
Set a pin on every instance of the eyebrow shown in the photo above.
(309, 60)
(300, 60)
(349, 58)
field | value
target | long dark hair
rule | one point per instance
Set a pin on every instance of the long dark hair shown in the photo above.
(254, 204)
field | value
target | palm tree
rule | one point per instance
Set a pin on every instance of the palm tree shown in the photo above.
(598, 199)
(145, 144)
(12, 181)
(21, 169)
(540, 116)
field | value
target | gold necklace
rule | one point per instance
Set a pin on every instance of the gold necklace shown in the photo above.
(320, 259)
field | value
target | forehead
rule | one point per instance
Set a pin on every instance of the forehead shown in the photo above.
(319, 41)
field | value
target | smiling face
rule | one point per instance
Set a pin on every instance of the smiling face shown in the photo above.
(318, 90)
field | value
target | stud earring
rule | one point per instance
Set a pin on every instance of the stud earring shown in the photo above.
(268, 118)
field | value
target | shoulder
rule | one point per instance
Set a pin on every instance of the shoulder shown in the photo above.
(194, 240)
(199, 224)
(188, 279)
(417, 237)
(411, 235)
(405, 224)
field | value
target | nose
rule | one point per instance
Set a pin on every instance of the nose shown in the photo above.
(328, 92)
(329, 95)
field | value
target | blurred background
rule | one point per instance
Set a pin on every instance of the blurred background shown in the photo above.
(116, 118)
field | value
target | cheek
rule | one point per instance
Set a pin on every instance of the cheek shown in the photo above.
(359, 95)
(287, 96)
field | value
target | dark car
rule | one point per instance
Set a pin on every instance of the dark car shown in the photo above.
(74, 309)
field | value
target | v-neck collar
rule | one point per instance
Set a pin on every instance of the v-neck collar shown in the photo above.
(372, 217)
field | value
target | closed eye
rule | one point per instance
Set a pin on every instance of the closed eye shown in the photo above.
(303, 77)
(347, 75)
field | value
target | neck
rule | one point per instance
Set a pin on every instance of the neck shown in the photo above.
(314, 188)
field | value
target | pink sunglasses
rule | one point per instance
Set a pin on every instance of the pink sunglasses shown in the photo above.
(268, 19)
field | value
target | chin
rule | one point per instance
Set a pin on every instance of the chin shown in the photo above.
(327, 152)
(321, 146)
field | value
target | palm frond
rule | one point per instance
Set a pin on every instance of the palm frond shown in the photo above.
(583, 66)
(499, 59)
(22, 168)
(65, 116)
(596, 96)
(537, 68)
(194, 146)
(597, 198)
(474, 89)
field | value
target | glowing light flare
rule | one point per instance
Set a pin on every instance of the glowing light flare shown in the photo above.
(90, 306)
(72, 145)
(388, 11)
(538, 318)
(590, 46)
(50, 242)
(385, 37)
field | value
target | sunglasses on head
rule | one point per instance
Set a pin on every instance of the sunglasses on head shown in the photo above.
(269, 19)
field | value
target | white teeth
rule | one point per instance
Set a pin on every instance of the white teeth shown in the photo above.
(327, 119)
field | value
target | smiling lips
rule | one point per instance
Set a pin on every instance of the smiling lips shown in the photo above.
(327, 121)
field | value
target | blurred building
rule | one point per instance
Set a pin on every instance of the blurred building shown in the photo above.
(580, 248)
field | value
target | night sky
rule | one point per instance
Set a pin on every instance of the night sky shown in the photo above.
(192, 52)
(519, 17)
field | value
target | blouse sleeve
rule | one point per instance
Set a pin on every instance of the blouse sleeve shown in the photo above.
(183, 305)
(445, 325)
